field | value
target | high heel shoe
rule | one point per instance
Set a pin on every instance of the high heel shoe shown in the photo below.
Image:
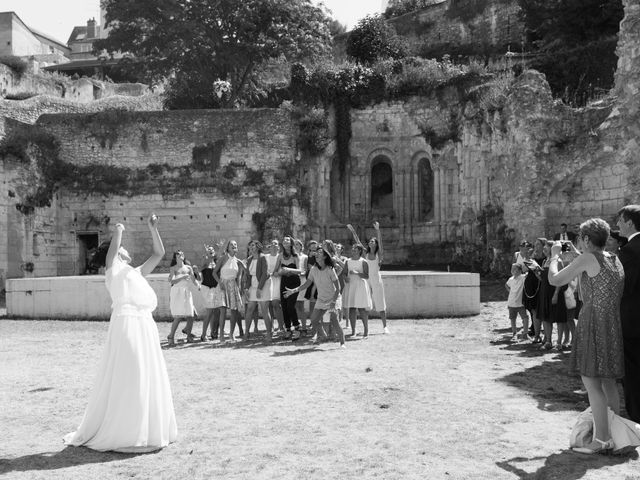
(601, 447)
(170, 341)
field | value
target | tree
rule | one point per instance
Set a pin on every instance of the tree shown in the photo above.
(374, 39)
(337, 28)
(197, 42)
(575, 41)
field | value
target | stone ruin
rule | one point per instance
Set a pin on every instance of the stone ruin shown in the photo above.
(454, 179)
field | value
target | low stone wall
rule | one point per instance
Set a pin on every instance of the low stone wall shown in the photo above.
(408, 294)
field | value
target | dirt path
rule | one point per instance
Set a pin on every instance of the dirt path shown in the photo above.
(436, 399)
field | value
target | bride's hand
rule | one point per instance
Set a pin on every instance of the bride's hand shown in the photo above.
(152, 221)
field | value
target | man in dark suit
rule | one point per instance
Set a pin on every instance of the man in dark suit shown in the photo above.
(629, 223)
(563, 235)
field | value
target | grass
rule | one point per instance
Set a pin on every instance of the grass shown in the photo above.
(447, 398)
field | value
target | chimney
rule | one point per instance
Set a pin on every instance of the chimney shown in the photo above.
(91, 28)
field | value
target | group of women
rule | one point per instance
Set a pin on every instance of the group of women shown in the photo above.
(277, 282)
(593, 270)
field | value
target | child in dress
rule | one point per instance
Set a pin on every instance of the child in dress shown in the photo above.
(515, 285)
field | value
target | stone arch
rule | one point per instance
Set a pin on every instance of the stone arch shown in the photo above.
(425, 187)
(381, 185)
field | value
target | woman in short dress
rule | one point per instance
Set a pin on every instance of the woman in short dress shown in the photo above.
(211, 294)
(181, 276)
(597, 353)
(273, 283)
(228, 273)
(257, 276)
(547, 296)
(373, 257)
(323, 275)
(356, 296)
(131, 407)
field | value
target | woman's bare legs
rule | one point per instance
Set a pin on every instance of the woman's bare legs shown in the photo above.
(206, 321)
(174, 327)
(223, 315)
(248, 318)
(277, 313)
(598, 390)
(266, 316)
(364, 315)
(352, 320)
(335, 321)
(316, 323)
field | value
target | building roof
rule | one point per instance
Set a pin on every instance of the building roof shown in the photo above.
(37, 33)
(79, 34)
(79, 64)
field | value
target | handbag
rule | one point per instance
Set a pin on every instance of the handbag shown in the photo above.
(569, 299)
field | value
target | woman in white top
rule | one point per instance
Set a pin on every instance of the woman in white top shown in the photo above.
(228, 272)
(131, 407)
(273, 282)
(259, 292)
(373, 257)
(181, 276)
(357, 295)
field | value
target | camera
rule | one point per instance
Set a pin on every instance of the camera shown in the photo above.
(565, 247)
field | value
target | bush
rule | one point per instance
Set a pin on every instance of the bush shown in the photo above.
(18, 65)
(374, 39)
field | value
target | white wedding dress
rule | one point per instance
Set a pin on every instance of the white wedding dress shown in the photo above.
(131, 407)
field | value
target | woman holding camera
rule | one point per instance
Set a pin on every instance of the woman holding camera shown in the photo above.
(597, 353)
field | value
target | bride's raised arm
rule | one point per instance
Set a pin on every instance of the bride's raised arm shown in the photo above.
(114, 246)
(158, 248)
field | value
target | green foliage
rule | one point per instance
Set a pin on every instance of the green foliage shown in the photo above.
(17, 64)
(198, 42)
(313, 136)
(400, 7)
(374, 39)
(575, 41)
(207, 157)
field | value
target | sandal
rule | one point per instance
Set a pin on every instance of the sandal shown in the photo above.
(602, 447)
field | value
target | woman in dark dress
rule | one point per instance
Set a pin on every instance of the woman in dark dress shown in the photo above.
(547, 296)
(597, 353)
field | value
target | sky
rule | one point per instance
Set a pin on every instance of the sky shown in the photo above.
(56, 18)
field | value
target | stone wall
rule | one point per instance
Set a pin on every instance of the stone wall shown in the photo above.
(243, 174)
(478, 26)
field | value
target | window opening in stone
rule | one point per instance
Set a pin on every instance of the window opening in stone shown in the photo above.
(426, 190)
(381, 186)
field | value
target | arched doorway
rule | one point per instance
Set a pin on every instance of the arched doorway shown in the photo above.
(381, 186)
(425, 190)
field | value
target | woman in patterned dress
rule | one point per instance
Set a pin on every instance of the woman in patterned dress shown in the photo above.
(228, 273)
(597, 353)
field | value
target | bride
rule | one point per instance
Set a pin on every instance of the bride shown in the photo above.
(130, 408)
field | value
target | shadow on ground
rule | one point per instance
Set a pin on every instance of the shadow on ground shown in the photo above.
(550, 383)
(68, 457)
(566, 465)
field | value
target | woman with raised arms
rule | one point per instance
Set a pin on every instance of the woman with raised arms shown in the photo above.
(130, 408)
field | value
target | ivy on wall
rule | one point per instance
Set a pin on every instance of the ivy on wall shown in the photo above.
(39, 151)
